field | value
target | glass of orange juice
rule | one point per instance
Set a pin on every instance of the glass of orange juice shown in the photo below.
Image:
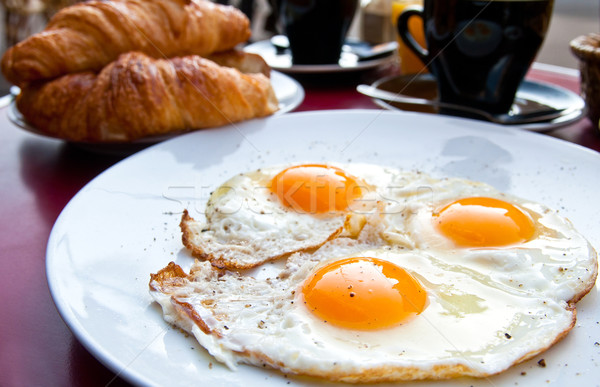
(409, 62)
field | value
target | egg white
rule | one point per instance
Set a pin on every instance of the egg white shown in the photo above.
(245, 224)
(471, 325)
(488, 308)
(557, 262)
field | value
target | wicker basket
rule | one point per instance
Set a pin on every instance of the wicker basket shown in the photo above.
(587, 49)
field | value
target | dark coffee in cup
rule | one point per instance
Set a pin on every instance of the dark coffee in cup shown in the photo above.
(316, 29)
(479, 51)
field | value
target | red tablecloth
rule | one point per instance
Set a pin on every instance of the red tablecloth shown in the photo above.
(39, 176)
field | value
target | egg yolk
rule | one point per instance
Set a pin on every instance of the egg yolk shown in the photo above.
(364, 294)
(315, 188)
(481, 221)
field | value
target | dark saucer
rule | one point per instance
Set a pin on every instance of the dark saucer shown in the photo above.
(532, 96)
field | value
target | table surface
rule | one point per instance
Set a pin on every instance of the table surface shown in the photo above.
(40, 175)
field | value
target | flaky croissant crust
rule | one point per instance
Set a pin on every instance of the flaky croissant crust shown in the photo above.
(88, 36)
(138, 96)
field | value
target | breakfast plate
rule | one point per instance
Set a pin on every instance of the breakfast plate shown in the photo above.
(124, 225)
(532, 96)
(289, 92)
(282, 61)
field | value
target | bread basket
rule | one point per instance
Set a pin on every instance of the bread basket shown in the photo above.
(587, 49)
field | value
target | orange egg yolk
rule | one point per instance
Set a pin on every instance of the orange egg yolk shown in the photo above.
(315, 188)
(363, 294)
(484, 222)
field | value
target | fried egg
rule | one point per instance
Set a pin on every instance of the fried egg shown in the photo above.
(519, 243)
(383, 275)
(272, 212)
(349, 314)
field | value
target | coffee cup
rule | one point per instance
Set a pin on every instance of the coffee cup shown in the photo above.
(479, 51)
(317, 29)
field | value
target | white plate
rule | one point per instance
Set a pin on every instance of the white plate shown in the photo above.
(283, 62)
(289, 92)
(124, 225)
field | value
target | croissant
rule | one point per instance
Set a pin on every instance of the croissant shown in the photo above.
(244, 61)
(88, 36)
(138, 96)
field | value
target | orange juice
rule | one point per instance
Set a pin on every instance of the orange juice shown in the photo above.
(409, 62)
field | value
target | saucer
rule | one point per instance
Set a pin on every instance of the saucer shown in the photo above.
(282, 61)
(531, 96)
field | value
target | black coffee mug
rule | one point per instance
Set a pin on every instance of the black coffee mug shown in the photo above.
(479, 51)
(316, 29)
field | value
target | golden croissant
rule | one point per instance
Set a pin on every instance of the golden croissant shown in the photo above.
(90, 35)
(138, 96)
